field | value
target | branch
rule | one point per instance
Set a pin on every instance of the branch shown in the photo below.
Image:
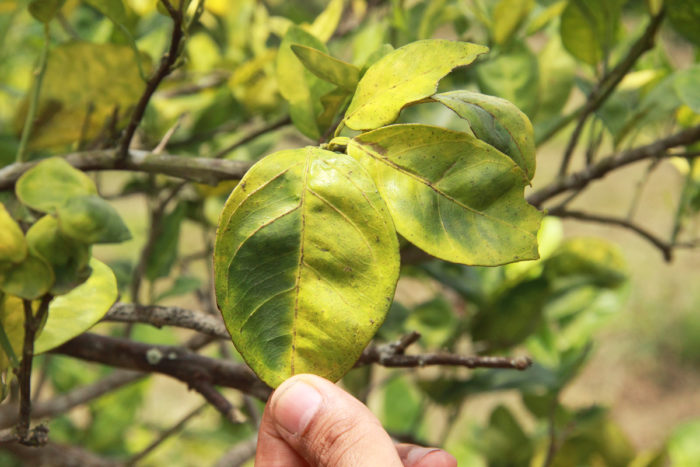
(663, 246)
(196, 169)
(579, 180)
(253, 135)
(166, 66)
(176, 362)
(57, 454)
(608, 84)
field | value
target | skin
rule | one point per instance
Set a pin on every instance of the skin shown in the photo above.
(309, 421)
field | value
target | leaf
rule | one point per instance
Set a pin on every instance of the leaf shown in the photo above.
(683, 447)
(403, 76)
(12, 323)
(450, 194)
(45, 10)
(402, 406)
(545, 15)
(338, 72)
(687, 86)
(325, 24)
(504, 442)
(301, 88)
(161, 260)
(589, 28)
(306, 261)
(29, 279)
(556, 69)
(77, 311)
(588, 259)
(51, 183)
(13, 247)
(183, 285)
(67, 257)
(684, 16)
(512, 75)
(508, 15)
(83, 85)
(497, 122)
(434, 320)
(90, 219)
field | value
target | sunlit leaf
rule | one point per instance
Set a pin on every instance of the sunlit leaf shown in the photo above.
(403, 76)
(51, 183)
(90, 219)
(508, 15)
(77, 311)
(29, 279)
(683, 448)
(306, 260)
(541, 19)
(13, 247)
(450, 194)
(497, 122)
(325, 24)
(338, 72)
(12, 322)
(589, 28)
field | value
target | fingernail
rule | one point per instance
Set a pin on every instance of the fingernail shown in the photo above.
(418, 453)
(296, 406)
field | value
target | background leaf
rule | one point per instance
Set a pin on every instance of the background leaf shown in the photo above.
(589, 28)
(51, 183)
(338, 72)
(90, 219)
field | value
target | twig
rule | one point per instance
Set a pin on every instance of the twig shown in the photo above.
(639, 188)
(608, 83)
(166, 66)
(579, 180)
(34, 98)
(168, 134)
(165, 435)
(253, 135)
(665, 247)
(213, 80)
(54, 454)
(217, 400)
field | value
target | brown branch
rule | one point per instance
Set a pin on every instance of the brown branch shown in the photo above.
(217, 400)
(176, 362)
(608, 83)
(57, 455)
(579, 180)
(666, 248)
(166, 66)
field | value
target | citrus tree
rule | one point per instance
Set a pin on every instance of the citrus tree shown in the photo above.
(294, 163)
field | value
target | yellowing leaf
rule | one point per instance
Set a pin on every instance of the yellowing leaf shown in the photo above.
(338, 72)
(13, 247)
(325, 24)
(403, 76)
(90, 219)
(29, 279)
(497, 122)
(306, 261)
(77, 311)
(450, 194)
(12, 322)
(51, 183)
(508, 15)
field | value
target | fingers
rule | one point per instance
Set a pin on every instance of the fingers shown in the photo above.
(322, 425)
(418, 456)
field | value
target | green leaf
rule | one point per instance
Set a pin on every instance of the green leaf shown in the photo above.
(306, 261)
(589, 28)
(684, 16)
(12, 323)
(512, 75)
(683, 448)
(45, 10)
(508, 15)
(434, 320)
(67, 257)
(402, 406)
(29, 279)
(51, 183)
(162, 258)
(504, 442)
(338, 72)
(13, 247)
(687, 85)
(325, 24)
(77, 311)
(80, 92)
(588, 259)
(403, 76)
(545, 15)
(90, 219)
(497, 122)
(301, 88)
(450, 194)
(557, 70)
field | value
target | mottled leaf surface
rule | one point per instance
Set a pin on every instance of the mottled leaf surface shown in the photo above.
(497, 122)
(90, 219)
(450, 194)
(405, 75)
(306, 261)
(51, 183)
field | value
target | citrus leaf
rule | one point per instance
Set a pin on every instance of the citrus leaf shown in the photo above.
(684, 17)
(90, 219)
(403, 76)
(306, 261)
(67, 257)
(508, 15)
(12, 323)
(687, 85)
(338, 72)
(497, 122)
(77, 311)
(450, 194)
(589, 28)
(45, 10)
(589, 259)
(29, 279)
(325, 24)
(13, 247)
(51, 183)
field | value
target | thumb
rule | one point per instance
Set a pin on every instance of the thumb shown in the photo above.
(327, 426)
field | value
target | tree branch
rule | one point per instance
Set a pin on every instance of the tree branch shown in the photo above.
(608, 84)
(579, 180)
(253, 135)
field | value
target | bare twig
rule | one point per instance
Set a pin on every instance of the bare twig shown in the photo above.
(608, 83)
(217, 400)
(253, 135)
(215, 79)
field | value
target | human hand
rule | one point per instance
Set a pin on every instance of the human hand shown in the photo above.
(310, 421)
